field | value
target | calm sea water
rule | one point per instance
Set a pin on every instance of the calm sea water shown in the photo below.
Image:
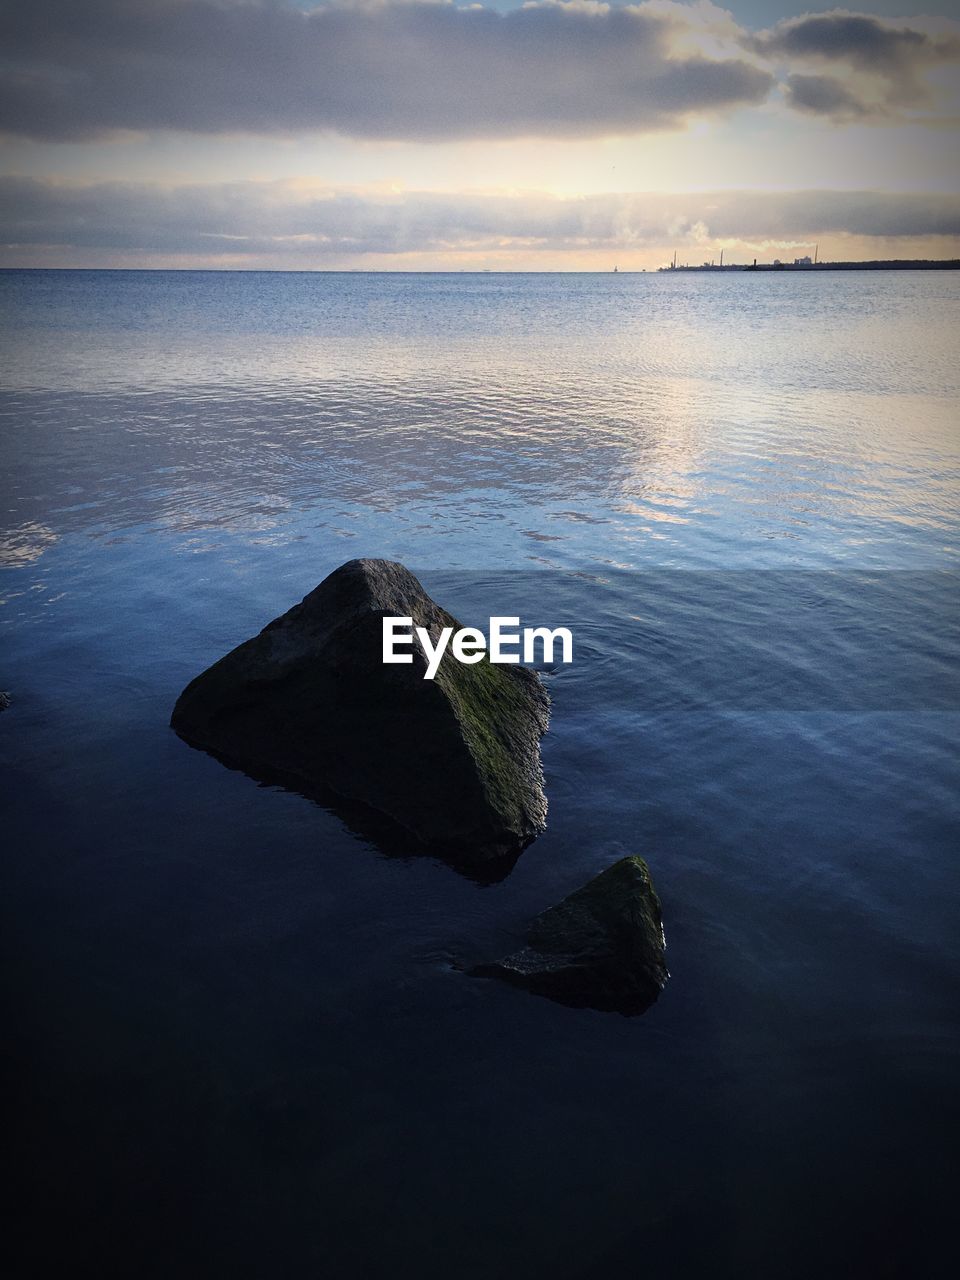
(243, 1043)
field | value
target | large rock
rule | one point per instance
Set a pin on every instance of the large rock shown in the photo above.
(601, 948)
(454, 760)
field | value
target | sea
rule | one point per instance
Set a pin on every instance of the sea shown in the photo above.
(243, 1035)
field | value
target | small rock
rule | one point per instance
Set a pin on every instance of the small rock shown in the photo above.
(600, 948)
(455, 760)
(4, 700)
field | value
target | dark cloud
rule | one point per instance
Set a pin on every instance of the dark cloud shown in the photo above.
(825, 96)
(865, 42)
(884, 63)
(74, 69)
(257, 219)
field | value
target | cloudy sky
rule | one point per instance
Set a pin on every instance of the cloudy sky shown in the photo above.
(425, 134)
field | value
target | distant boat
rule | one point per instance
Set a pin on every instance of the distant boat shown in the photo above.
(615, 270)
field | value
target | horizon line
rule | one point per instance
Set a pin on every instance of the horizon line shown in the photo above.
(892, 263)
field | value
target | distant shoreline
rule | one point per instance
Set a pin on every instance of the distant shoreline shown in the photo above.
(891, 264)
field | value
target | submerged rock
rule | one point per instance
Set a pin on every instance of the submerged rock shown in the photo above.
(600, 948)
(454, 760)
(4, 700)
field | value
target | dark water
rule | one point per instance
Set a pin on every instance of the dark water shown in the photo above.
(241, 1042)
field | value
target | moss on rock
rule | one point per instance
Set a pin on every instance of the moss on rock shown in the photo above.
(455, 760)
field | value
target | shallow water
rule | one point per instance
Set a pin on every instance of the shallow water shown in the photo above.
(245, 1045)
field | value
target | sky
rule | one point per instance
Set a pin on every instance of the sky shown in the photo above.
(432, 135)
